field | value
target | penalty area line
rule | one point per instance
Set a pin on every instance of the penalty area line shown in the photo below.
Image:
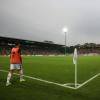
(41, 80)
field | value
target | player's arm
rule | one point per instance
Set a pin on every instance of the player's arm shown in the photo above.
(10, 52)
(20, 55)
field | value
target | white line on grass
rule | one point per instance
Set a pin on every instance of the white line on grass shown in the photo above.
(62, 85)
(38, 79)
(84, 83)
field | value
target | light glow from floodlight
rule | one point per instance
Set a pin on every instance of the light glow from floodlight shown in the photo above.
(65, 30)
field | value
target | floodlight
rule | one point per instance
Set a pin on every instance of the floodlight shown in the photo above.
(65, 30)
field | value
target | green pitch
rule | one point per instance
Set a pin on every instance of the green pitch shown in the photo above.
(55, 69)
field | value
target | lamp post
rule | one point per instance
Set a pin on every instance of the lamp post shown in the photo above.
(65, 30)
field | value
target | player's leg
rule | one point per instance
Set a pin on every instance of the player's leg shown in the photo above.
(9, 77)
(10, 73)
(21, 73)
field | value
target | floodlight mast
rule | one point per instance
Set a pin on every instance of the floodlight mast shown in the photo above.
(65, 30)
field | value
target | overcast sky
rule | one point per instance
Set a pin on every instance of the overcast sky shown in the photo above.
(41, 20)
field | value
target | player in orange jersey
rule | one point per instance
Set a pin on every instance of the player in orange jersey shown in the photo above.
(15, 63)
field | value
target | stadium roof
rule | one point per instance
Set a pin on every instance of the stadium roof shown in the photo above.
(27, 42)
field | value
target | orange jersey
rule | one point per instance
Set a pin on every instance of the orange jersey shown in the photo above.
(15, 56)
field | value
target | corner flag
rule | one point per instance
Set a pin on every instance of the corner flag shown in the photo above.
(75, 56)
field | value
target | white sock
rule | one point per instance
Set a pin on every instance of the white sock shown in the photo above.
(21, 74)
(9, 77)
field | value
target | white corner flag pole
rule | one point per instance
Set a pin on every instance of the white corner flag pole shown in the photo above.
(75, 63)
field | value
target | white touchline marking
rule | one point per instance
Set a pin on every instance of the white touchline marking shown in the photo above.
(62, 85)
(84, 83)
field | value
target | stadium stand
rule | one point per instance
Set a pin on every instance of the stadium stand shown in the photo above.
(30, 47)
(45, 48)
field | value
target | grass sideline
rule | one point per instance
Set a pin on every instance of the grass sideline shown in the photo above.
(57, 69)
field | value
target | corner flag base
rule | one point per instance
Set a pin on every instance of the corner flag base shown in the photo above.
(71, 84)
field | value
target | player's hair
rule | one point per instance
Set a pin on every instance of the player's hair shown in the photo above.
(17, 43)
